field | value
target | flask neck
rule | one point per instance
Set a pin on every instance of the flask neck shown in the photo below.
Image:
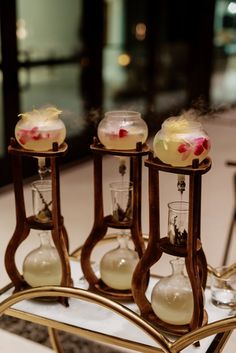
(44, 239)
(177, 266)
(123, 239)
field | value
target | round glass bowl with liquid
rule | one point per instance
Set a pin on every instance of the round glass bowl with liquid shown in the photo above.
(181, 140)
(39, 129)
(122, 129)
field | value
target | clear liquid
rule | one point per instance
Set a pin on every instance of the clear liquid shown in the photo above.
(223, 298)
(117, 267)
(174, 308)
(113, 141)
(40, 140)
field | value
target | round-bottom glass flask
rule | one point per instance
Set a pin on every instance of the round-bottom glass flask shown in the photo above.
(117, 265)
(42, 266)
(172, 297)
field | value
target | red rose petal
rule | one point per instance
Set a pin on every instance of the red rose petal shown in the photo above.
(183, 148)
(37, 137)
(198, 150)
(33, 130)
(22, 140)
(199, 140)
(206, 144)
(123, 132)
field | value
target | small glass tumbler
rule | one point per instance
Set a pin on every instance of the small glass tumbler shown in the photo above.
(122, 202)
(178, 212)
(42, 200)
(223, 289)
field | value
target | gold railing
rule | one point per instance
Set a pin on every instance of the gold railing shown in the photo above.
(163, 344)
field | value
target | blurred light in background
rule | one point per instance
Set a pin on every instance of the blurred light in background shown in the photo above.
(124, 59)
(140, 31)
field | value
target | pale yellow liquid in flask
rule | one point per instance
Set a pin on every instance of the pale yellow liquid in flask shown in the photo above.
(117, 267)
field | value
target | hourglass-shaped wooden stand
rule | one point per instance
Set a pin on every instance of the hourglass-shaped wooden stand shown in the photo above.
(101, 223)
(24, 224)
(195, 260)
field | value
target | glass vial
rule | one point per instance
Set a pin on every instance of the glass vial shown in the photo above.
(178, 213)
(42, 200)
(122, 202)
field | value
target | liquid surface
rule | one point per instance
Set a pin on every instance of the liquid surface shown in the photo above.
(125, 141)
(223, 298)
(39, 139)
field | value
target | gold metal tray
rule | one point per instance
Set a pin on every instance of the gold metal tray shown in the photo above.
(98, 318)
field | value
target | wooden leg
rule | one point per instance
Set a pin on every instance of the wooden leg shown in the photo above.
(231, 228)
(229, 239)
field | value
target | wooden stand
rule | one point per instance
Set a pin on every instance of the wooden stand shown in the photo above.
(233, 220)
(102, 223)
(195, 260)
(24, 224)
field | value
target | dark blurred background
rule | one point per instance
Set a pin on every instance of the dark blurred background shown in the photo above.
(90, 56)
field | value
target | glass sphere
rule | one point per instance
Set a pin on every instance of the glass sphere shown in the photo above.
(180, 141)
(39, 129)
(117, 267)
(172, 297)
(42, 266)
(121, 130)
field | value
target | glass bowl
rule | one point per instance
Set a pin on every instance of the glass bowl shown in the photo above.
(181, 140)
(122, 129)
(39, 129)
